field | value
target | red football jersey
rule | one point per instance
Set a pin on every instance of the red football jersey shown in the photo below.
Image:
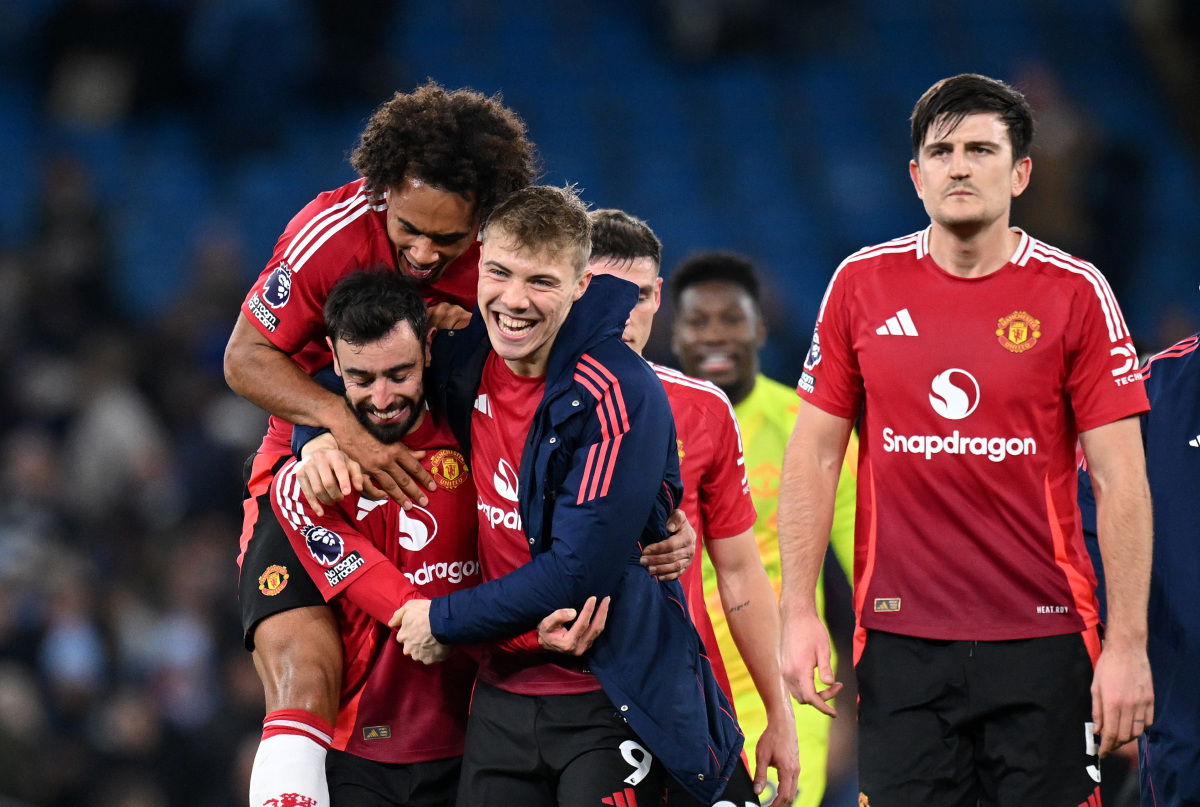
(502, 418)
(716, 492)
(972, 393)
(339, 232)
(393, 709)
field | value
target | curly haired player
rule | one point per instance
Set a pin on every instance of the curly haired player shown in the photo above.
(433, 163)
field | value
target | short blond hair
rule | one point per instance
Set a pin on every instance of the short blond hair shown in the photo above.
(543, 218)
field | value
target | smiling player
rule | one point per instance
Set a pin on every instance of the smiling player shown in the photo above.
(433, 163)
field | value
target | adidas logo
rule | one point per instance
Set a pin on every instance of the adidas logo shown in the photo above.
(483, 404)
(625, 798)
(365, 506)
(1195, 441)
(899, 325)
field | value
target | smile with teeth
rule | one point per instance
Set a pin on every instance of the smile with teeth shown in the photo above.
(511, 326)
(389, 415)
(417, 271)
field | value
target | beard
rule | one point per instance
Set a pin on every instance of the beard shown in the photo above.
(392, 431)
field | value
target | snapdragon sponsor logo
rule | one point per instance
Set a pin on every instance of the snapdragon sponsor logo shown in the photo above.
(455, 572)
(498, 516)
(956, 396)
(996, 449)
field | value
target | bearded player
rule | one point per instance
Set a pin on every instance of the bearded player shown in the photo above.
(717, 333)
(976, 356)
(399, 734)
(717, 501)
(433, 163)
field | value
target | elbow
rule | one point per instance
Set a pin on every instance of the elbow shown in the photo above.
(231, 366)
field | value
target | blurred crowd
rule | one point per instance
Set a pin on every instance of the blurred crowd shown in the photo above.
(122, 678)
(123, 682)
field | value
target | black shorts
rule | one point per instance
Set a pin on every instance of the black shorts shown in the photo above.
(272, 579)
(738, 793)
(960, 724)
(547, 750)
(358, 782)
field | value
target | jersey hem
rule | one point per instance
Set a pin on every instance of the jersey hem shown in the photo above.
(950, 634)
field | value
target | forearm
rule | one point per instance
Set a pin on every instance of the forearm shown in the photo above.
(271, 380)
(1125, 532)
(807, 492)
(753, 618)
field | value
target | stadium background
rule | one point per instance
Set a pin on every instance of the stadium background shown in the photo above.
(152, 150)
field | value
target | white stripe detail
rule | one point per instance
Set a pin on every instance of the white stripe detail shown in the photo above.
(307, 729)
(316, 223)
(334, 228)
(905, 244)
(676, 377)
(893, 327)
(906, 322)
(923, 243)
(1114, 323)
(1024, 247)
(1082, 264)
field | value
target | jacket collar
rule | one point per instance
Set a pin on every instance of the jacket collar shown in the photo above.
(600, 313)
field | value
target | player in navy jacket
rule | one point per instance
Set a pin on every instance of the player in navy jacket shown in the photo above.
(1169, 751)
(599, 475)
(649, 659)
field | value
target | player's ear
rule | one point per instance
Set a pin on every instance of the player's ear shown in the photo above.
(581, 284)
(760, 329)
(337, 367)
(429, 345)
(914, 171)
(1022, 170)
(657, 294)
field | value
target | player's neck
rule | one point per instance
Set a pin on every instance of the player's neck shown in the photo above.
(975, 252)
(420, 419)
(533, 365)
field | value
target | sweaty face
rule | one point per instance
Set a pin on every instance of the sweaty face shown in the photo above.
(966, 177)
(717, 334)
(525, 297)
(643, 272)
(384, 383)
(428, 228)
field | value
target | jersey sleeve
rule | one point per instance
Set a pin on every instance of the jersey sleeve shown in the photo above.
(1103, 381)
(333, 551)
(831, 379)
(725, 504)
(287, 301)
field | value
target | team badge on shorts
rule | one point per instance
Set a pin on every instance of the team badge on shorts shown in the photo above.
(449, 469)
(1018, 331)
(273, 580)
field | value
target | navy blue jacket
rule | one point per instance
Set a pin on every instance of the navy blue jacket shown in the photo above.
(603, 402)
(1170, 748)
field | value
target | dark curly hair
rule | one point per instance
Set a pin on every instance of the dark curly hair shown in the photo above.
(460, 141)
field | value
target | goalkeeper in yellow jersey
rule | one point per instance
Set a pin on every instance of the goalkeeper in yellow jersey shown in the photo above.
(717, 333)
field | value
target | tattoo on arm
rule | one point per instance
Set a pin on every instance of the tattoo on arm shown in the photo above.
(739, 607)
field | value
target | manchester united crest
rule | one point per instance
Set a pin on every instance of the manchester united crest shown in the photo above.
(273, 580)
(449, 469)
(1018, 331)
